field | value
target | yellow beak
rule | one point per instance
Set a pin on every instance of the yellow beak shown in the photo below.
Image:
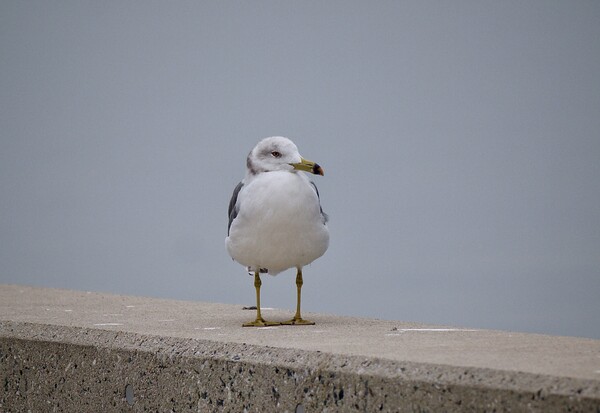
(308, 166)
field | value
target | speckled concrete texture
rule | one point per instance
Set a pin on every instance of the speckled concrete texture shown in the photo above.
(86, 352)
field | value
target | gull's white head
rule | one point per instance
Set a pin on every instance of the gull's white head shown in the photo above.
(278, 154)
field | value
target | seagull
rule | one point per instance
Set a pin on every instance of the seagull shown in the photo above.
(275, 218)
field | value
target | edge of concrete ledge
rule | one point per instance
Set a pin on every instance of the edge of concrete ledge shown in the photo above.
(170, 347)
(265, 376)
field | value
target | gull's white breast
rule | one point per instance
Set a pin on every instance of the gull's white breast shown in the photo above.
(279, 223)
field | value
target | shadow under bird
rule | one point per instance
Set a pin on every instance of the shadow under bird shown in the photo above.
(275, 218)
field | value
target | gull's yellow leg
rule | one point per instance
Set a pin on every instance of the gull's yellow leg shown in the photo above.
(259, 322)
(298, 320)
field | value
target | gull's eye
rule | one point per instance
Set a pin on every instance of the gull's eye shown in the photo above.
(276, 154)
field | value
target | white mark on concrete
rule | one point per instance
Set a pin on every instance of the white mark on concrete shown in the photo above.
(129, 306)
(94, 362)
(211, 328)
(267, 328)
(68, 311)
(597, 372)
(427, 330)
(112, 315)
(108, 324)
(67, 368)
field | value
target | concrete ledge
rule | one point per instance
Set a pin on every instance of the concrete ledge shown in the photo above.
(75, 351)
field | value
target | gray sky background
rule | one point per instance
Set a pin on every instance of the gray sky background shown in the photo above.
(460, 142)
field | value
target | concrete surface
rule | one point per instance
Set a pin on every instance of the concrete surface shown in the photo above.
(80, 351)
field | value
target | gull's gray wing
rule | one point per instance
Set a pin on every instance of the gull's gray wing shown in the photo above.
(323, 214)
(233, 211)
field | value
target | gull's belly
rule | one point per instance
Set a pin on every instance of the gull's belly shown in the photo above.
(279, 224)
